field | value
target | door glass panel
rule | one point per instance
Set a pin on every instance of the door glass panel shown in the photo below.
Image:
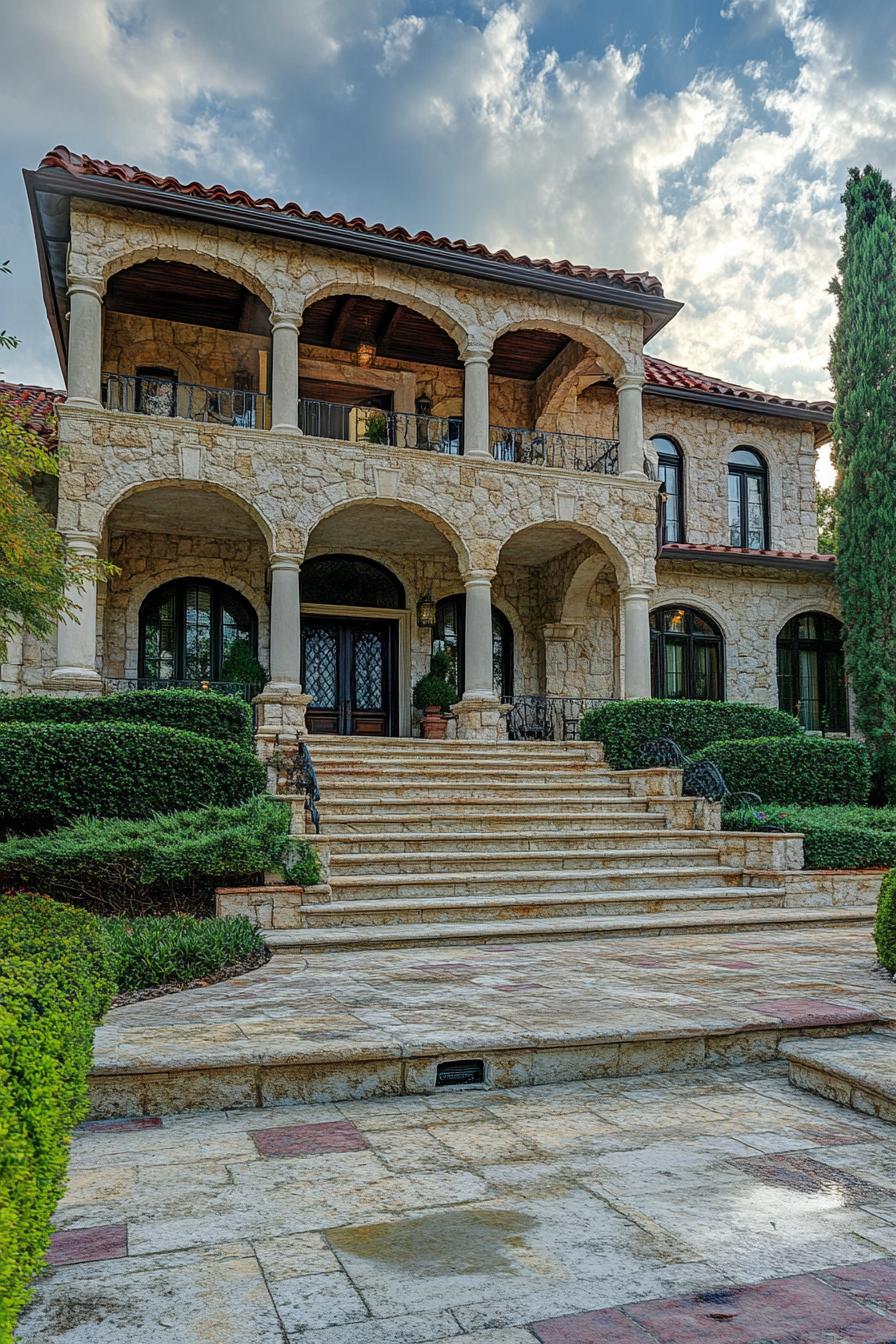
(197, 632)
(319, 678)
(368, 654)
(734, 532)
(706, 671)
(674, 668)
(160, 641)
(755, 513)
(809, 705)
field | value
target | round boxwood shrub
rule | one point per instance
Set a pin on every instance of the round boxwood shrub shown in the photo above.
(800, 769)
(226, 717)
(623, 726)
(52, 772)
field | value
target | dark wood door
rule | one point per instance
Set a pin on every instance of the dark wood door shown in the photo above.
(349, 668)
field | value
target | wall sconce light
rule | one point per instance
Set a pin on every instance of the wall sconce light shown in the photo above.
(426, 612)
(423, 405)
(366, 351)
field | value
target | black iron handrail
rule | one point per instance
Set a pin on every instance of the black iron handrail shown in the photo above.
(700, 779)
(548, 718)
(296, 774)
(145, 394)
(553, 448)
(376, 426)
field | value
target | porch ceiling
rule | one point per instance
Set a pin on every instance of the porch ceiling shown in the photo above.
(536, 545)
(176, 292)
(377, 527)
(183, 513)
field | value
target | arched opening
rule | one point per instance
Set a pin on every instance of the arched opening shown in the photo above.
(812, 672)
(448, 636)
(179, 340)
(748, 523)
(350, 581)
(671, 476)
(686, 655)
(191, 631)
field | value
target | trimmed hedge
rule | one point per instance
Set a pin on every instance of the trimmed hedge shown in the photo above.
(795, 769)
(147, 951)
(885, 923)
(834, 837)
(52, 772)
(225, 717)
(54, 986)
(623, 726)
(164, 864)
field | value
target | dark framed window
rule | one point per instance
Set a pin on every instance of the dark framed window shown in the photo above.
(812, 672)
(671, 474)
(350, 581)
(155, 390)
(747, 500)
(686, 655)
(448, 634)
(187, 628)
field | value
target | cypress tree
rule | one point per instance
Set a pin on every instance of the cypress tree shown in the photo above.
(863, 368)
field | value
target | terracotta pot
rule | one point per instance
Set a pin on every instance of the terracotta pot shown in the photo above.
(434, 723)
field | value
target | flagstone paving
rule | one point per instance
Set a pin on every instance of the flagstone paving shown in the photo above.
(725, 1207)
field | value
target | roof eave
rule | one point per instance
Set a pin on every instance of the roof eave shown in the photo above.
(55, 314)
(816, 564)
(813, 416)
(656, 309)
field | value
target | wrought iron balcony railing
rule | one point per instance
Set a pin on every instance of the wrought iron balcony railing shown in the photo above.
(144, 394)
(373, 425)
(551, 448)
(548, 718)
(243, 689)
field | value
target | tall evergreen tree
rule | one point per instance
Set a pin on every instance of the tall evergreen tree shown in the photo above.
(863, 367)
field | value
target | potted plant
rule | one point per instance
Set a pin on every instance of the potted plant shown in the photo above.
(435, 694)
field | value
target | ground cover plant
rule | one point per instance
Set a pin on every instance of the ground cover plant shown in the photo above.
(53, 772)
(150, 951)
(162, 864)
(623, 726)
(226, 717)
(804, 769)
(55, 984)
(834, 837)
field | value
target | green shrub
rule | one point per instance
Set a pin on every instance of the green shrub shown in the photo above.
(51, 772)
(149, 951)
(220, 716)
(54, 986)
(885, 923)
(623, 726)
(834, 837)
(795, 769)
(163, 864)
(241, 665)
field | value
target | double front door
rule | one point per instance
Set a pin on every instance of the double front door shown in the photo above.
(349, 669)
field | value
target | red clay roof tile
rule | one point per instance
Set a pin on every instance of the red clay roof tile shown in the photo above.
(38, 403)
(696, 550)
(660, 373)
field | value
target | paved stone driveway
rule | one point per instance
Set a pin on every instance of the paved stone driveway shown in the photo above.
(722, 1207)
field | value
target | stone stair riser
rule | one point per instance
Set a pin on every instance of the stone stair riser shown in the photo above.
(522, 862)
(364, 831)
(376, 846)
(409, 885)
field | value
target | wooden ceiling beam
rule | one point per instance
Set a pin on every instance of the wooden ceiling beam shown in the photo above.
(341, 319)
(390, 319)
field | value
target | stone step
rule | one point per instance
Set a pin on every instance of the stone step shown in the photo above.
(554, 905)
(548, 930)
(325, 744)
(436, 791)
(529, 883)
(373, 772)
(342, 822)
(378, 844)
(858, 1072)
(484, 862)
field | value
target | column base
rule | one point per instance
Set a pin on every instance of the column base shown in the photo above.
(281, 714)
(480, 719)
(286, 429)
(74, 681)
(634, 475)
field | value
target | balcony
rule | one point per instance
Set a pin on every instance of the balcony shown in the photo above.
(169, 397)
(550, 448)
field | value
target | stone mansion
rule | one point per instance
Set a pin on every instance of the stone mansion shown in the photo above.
(348, 445)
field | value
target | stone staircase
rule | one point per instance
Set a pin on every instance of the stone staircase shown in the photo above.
(435, 843)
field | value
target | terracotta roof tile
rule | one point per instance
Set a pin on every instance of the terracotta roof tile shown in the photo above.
(39, 404)
(698, 550)
(660, 373)
(82, 165)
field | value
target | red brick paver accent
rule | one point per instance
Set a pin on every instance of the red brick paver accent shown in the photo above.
(610, 1326)
(336, 1136)
(88, 1243)
(873, 1283)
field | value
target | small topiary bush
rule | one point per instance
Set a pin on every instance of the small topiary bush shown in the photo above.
(833, 837)
(795, 769)
(147, 952)
(52, 772)
(220, 716)
(885, 923)
(167, 863)
(54, 986)
(623, 726)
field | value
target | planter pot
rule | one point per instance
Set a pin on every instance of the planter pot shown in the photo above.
(434, 723)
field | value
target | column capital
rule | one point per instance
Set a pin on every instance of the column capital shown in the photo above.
(477, 348)
(285, 560)
(474, 578)
(86, 284)
(286, 321)
(82, 543)
(632, 592)
(627, 381)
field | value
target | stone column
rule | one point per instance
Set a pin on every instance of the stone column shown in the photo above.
(76, 634)
(476, 442)
(479, 715)
(285, 372)
(631, 424)
(636, 628)
(281, 705)
(85, 341)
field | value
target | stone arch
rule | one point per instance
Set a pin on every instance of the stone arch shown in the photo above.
(575, 601)
(826, 606)
(614, 359)
(678, 597)
(619, 561)
(399, 290)
(190, 254)
(453, 538)
(163, 354)
(265, 527)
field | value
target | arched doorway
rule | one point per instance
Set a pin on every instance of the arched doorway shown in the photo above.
(350, 631)
(190, 629)
(448, 635)
(686, 655)
(812, 672)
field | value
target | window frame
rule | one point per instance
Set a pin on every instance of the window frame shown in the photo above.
(675, 460)
(743, 473)
(499, 621)
(793, 645)
(178, 589)
(689, 641)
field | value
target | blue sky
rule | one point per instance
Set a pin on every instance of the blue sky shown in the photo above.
(705, 142)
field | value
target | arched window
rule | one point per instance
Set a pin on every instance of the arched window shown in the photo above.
(448, 634)
(686, 655)
(812, 672)
(747, 500)
(671, 481)
(188, 627)
(350, 581)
